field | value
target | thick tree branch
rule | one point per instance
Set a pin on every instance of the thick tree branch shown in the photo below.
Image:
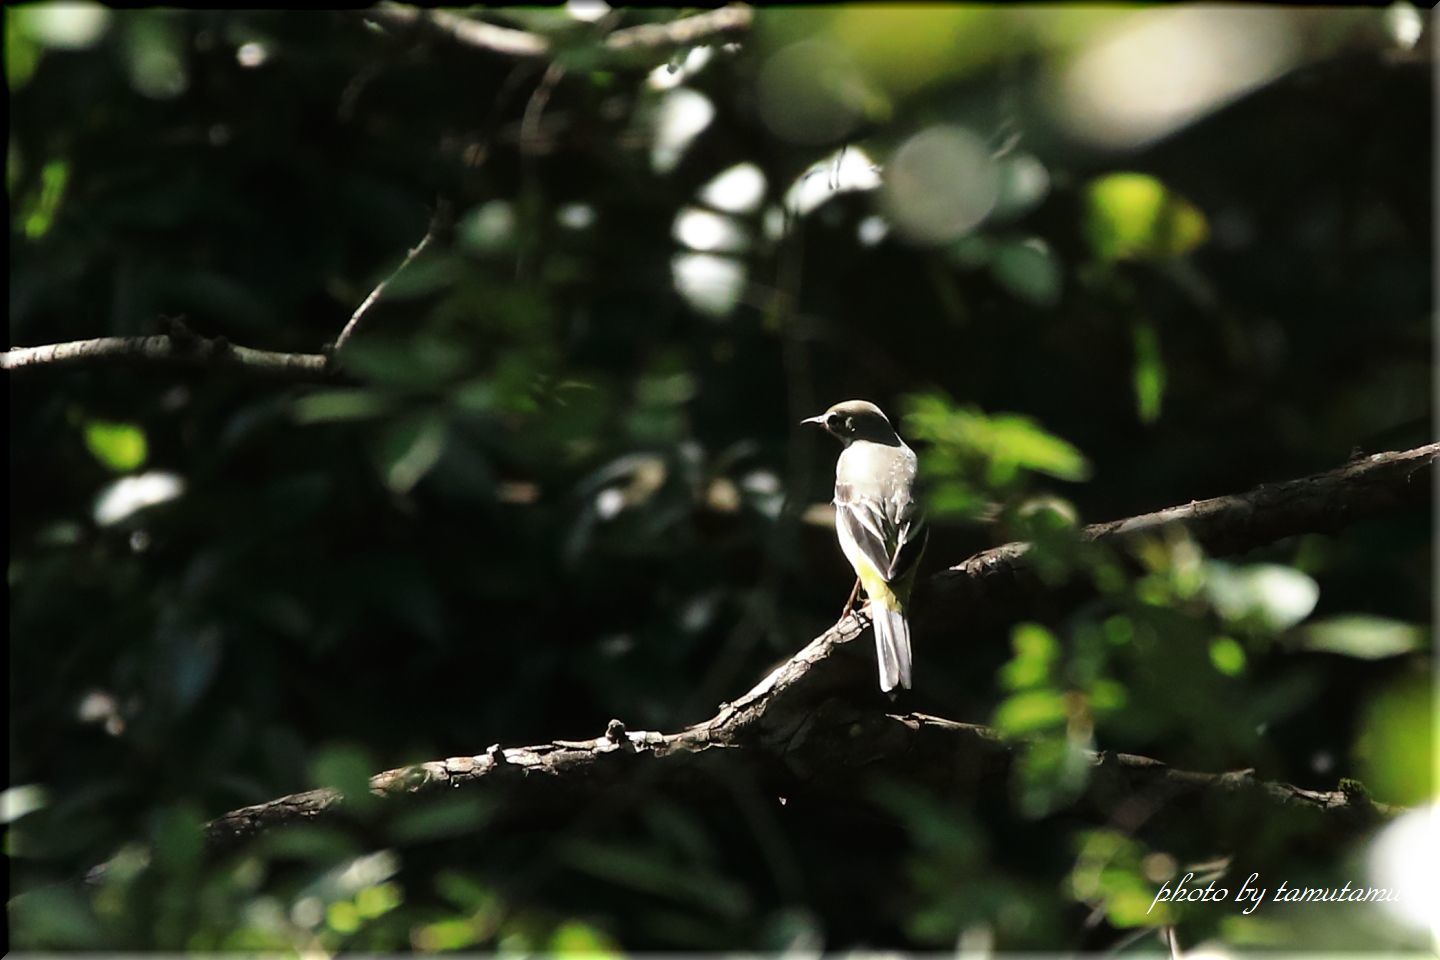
(996, 583)
(838, 744)
(713, 24)
(807, 720)
(167, 350)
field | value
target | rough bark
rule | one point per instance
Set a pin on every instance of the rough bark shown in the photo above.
(812, 720)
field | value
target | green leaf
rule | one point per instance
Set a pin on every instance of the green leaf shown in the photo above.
(372, 902)
(325, 406)
(1030, 711)
(1131, 216)
(1050, 773)
(408, 449)
(1227, 656)
(22, 53)
(1020, 441)
(1365, 637)
(1396, 742)
(1029, 270)
(1035, 652)
(38, 211)
(1005, 443)
(348, 770)
(179, 839)
(1149, 375)
(120, 447)
(55, 917)
(573, 936)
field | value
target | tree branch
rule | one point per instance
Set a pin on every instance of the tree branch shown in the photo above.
(375, 295)
(807, 719)
(996, 583)
(713, 24)
(167, 350)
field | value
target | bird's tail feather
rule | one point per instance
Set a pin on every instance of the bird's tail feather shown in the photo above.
(892, 647)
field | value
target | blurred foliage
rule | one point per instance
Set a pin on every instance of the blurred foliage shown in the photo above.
(565, 482)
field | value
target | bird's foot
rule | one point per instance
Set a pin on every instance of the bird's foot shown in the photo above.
(850, 604)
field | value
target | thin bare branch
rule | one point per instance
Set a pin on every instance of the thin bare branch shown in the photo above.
(728, 21)
(379, 290)
(164, 350)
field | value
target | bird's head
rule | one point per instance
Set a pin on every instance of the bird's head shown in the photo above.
(857, 420)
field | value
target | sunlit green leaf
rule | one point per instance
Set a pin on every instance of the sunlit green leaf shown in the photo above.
(1132, 216)
(1006, 443)
(1035, 652)
(22, 52)
(119, 446)
(573, 936)
(1108, 872)
(1149, 374)
(38, 212)
(380, 899)
(1227, 656)
(1030, 711)
(342, 917)
(446, 935)
(1020, 441)
(1397, 743)
(1366, 637)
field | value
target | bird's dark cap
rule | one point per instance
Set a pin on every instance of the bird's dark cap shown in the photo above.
(857, 420)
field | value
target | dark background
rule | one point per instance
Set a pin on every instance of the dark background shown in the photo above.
(419, 565)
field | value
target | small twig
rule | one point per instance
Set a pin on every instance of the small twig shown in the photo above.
(375, 294)
(530, 120)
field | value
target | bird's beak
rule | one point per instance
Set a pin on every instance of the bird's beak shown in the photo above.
(816, 419)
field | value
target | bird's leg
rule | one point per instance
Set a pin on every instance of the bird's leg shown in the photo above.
(849, 604)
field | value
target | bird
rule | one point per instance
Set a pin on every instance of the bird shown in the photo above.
(880, 524)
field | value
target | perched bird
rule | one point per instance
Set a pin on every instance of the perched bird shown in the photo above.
(880, 525)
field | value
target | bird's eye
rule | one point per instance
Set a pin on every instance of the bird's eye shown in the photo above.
(834, 422)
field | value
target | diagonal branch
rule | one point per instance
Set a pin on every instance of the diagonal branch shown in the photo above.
(997, 583)
(808, 721)
(379, 291)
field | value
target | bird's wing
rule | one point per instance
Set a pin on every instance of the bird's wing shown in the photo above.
(913, 537)
(865, 521)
